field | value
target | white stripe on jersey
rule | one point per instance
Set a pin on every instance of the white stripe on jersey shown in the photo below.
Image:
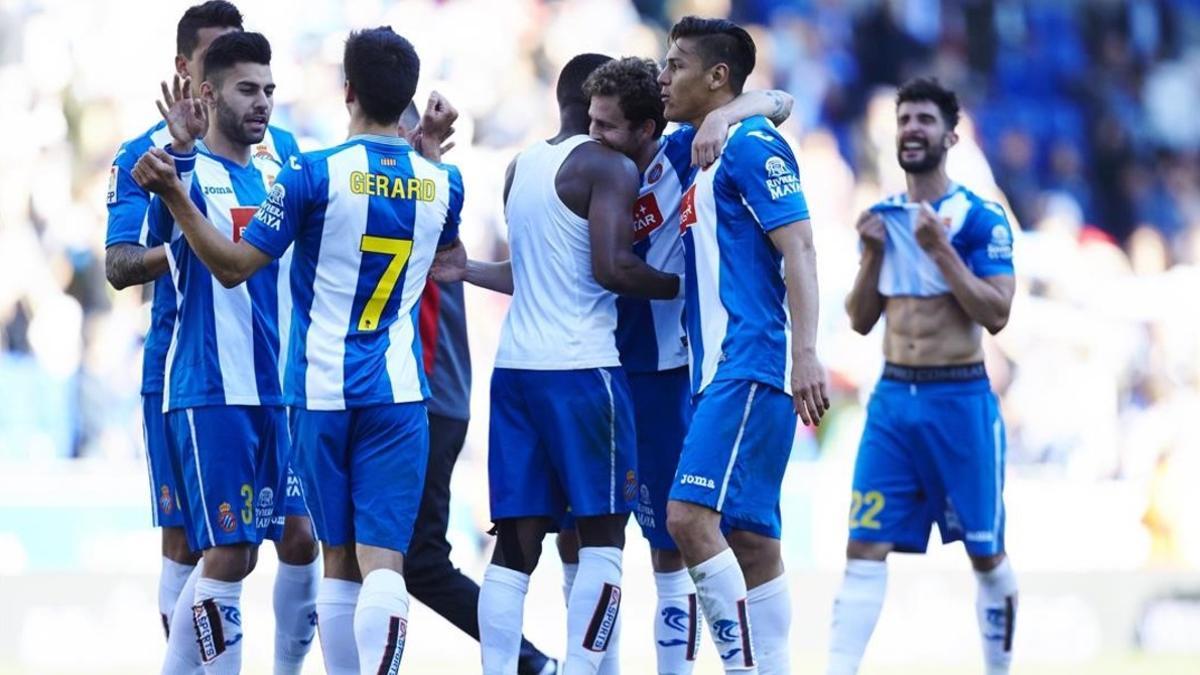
(173, 268)
(606, 377)
(666, 255)
(232, 312)
(402, 365)
(283, 287)
(345, 219)
(715, 318)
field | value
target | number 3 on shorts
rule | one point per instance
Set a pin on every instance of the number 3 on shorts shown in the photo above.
(400, 250)
(874, 501)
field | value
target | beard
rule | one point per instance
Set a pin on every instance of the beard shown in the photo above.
(934, 153)
(231, 125)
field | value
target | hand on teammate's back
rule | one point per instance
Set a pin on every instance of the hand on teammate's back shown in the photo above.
(809, 395)
(871, 230)
(450, 264)
(186, 116)
(155, 171)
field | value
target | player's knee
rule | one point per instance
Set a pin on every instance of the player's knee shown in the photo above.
(228, 563)
(986, 563)
(689, 525)
(607, 531)
(297, 546)
(340, 562)
(867, 550)
(175, 546)
(666, 560)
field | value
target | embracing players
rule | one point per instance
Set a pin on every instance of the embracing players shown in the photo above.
(937, 264)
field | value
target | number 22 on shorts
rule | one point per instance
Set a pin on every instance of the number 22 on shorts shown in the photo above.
(860, 517)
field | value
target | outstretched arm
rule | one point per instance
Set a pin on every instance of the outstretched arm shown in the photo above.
(230, 263)
(774, 104)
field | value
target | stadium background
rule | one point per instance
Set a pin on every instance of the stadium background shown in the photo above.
(1081, 117)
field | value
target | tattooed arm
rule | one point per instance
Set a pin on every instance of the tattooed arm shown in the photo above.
(128, 264)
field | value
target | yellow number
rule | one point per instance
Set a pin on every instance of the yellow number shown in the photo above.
(248, 510)
(874, 502)
(399, 249)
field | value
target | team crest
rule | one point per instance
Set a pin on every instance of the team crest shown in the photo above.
(263, 151)
(655, 174)
(631, 486)
(225, 518)
(165, 503)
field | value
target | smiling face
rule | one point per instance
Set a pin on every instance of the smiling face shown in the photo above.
(610, 126)
(686, 84)
(243, 96)
(922, 138)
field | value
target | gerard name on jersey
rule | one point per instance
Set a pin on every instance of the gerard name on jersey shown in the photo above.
(381, 185)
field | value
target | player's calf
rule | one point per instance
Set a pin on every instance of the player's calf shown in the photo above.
(996, 610)
(295, 595)
(216, 610)
(768, 597)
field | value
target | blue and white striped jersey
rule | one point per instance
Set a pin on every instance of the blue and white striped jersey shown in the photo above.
(366, 217)
(978, 231)
(127, 224)
(737, 320)
(650, 332)
(224, 349)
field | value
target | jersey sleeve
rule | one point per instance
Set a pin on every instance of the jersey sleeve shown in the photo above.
(989, 242)
(454, 211)
(280, 218)
(127, 201)
(761, 164)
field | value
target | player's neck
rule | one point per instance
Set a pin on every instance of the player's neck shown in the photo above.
(929, 186)
(718, 99)
(222, 146)
(363, 126)
(646, 154)
(571, 123)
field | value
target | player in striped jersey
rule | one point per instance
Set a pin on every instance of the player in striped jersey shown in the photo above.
(366, 218)
(225, 419)
(133, 256)
(751, 307)
(626, 113)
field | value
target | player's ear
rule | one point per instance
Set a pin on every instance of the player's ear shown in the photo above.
(718, 76)
(181, 65)
(348, 90)
(208, 92)
(645, 130)
(950, 139)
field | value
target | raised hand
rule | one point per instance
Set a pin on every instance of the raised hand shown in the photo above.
(437, 125)
(185, 115)
(930, 229)
(155, 171)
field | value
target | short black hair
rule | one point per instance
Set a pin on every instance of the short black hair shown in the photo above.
(233, 48)
(212, 14)
(719, 41)
(929, 89)
(570, 81)
(634, 81)
(383, 69)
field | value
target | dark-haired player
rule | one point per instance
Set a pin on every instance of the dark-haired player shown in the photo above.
(626, 111)
(366, 218)
(751, 313)
(937, 264)
(134, 256)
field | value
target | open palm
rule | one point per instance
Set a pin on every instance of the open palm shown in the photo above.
(185, 115)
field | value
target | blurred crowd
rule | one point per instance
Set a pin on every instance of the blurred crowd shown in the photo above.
(1080, 118)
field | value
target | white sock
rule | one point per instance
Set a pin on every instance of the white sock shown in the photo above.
(569, 572)
(501, 614)
(336, 599)
(183, 656)
(171, 581)
(996, 610)
(295, 603)
(592, 608)
(771, 615)
(381, 622)
(676, 623)
(721, 589)
(855, 613)
(217, 620)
